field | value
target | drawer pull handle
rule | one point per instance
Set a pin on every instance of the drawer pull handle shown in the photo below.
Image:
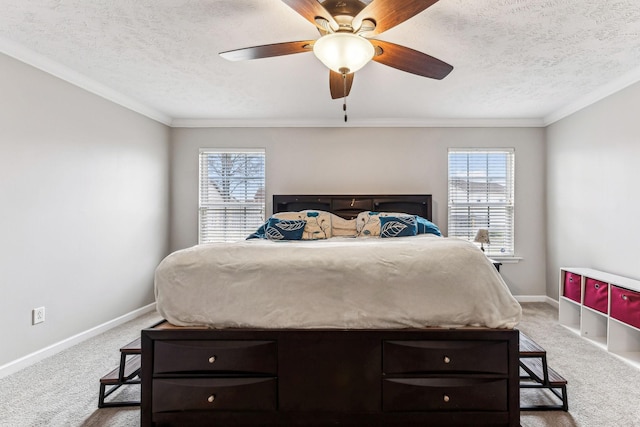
(211, 398)
(446, 398)
(212, 359)
(624, 297)
(447, 359)
(597, 285)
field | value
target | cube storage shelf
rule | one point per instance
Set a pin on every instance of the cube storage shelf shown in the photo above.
(603, 308)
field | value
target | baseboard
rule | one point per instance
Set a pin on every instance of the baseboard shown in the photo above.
(552, 302)
(49, 351)
(537, 298)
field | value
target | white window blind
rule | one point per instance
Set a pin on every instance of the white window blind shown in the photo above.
(232, 195)
(481, 196)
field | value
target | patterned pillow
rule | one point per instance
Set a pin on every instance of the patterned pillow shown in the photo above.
(318, 223)
(368, 222)
(398, 226)
(283, 229)
(260, 233)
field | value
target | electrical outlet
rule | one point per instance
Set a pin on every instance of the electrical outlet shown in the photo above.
(37, 315)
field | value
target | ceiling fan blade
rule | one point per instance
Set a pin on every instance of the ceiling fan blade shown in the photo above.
(310, 10)
(389, 13)
(336, 84)
(409, 60)
(268, 50)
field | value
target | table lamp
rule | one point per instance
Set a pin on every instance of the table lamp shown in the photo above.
(482, 237)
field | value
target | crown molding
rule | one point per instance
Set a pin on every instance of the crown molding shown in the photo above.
(354, 123)
(591, 98)
(21, 53)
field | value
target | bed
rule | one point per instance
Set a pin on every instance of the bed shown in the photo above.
(342, 330)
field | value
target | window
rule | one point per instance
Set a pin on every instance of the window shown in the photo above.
(481, 196)
(232, 199)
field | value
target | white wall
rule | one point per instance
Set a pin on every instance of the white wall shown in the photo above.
(593, 164)
(84, 198)
(373, 160)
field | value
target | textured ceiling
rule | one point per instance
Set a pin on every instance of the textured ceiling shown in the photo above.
(517, 62)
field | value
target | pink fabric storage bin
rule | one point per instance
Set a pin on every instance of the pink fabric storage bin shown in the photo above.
(596, 294)
(572, 286)
(625, 306)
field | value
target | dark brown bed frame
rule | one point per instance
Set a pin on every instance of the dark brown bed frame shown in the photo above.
(392, 377)
(349, 206)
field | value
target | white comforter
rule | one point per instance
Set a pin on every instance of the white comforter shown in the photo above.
(350, 283)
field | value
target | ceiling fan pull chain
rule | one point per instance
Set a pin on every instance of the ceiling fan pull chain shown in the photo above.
(344, 86)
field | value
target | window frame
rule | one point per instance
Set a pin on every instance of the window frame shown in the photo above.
(503, 211)
(253, 208)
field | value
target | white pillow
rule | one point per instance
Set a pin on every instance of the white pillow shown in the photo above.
(343, 227)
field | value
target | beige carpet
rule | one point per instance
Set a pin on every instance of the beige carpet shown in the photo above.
(603, 390)
(63, 390)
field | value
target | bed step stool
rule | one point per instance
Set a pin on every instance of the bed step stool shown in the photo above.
(537, 374)
(127, 373)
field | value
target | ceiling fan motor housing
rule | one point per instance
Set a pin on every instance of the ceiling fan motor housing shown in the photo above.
(341, 7)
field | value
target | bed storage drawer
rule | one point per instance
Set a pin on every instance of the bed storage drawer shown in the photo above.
(444, 394)
(214, 394)
(596, 294)
(248, 357)
(572, 286)
(417, 357)
(330, 377)
(625, 306)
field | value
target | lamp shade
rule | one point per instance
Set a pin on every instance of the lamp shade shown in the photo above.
(343, 52)
(482, 236)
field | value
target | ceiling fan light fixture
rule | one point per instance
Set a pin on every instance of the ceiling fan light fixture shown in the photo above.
(342, 52)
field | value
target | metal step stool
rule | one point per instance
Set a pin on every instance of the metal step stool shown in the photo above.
(535, 373)
(127, 373)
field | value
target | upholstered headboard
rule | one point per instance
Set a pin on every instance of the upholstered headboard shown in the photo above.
(348, 206)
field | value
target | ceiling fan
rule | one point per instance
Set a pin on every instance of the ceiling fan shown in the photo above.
(345, 45)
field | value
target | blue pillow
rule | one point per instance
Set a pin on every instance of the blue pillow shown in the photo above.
(285, 229)
(398, 226)
(427, 227)
(260, 233)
